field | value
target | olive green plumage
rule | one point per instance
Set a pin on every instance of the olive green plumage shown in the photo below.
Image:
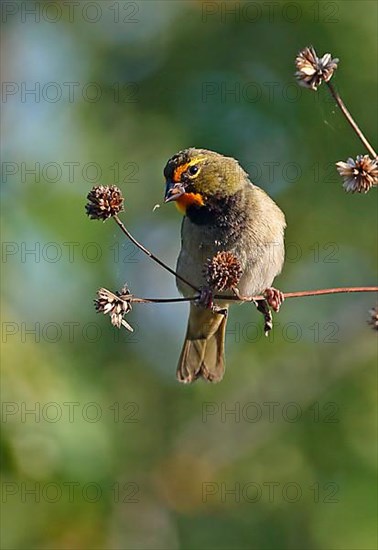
(232, 215)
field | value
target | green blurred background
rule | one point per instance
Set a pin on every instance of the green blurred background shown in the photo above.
(117, 454)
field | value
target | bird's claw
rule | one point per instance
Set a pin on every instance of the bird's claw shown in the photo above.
(274, 298)
(206, 300)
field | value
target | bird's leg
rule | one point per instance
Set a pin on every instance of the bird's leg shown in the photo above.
(206, 300)
(263, 307)
(274, 298)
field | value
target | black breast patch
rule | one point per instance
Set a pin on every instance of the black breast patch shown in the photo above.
(228, 214)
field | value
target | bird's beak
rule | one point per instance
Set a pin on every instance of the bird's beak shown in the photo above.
(173, 191)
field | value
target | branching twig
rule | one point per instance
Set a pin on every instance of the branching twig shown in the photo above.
(299, 294)
(118, 304)
(150, 255)
(222, 272)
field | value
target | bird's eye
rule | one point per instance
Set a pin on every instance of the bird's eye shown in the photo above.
(193, 170)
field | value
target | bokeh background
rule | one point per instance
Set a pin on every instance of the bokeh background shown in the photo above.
(117, 454)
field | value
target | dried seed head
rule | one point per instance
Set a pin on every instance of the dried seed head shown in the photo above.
(116, 305)
(373, 321)
(359, 175)
(313, 70)
(104, 202)
(223, 271)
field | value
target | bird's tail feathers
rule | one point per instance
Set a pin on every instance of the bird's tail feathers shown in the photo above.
(202, 355)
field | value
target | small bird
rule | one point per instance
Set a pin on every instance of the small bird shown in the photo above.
(223, 212)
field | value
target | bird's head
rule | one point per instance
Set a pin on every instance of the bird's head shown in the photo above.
(196, 176)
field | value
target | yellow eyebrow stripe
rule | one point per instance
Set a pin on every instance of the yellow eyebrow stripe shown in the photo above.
(181, 169)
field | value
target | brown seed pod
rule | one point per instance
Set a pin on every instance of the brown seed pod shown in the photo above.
(104, 202)
(223, 271)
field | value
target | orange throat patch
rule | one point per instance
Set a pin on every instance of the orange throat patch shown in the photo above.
(189, 199)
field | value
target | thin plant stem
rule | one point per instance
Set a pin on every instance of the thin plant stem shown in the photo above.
(350, 119)
(135, 299)
(317, 292)
(149, 254)
(299, 294)
(234, 298)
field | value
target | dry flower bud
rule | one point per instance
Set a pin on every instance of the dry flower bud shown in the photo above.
(104, 202)
(373, 321)
(359, 175)
(313, 70)
(116, 305)
(223, 271)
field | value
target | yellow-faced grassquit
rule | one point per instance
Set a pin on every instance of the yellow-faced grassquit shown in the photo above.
(223, 212)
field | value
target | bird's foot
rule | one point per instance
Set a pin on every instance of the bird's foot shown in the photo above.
(206, 300)
(274, 298)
